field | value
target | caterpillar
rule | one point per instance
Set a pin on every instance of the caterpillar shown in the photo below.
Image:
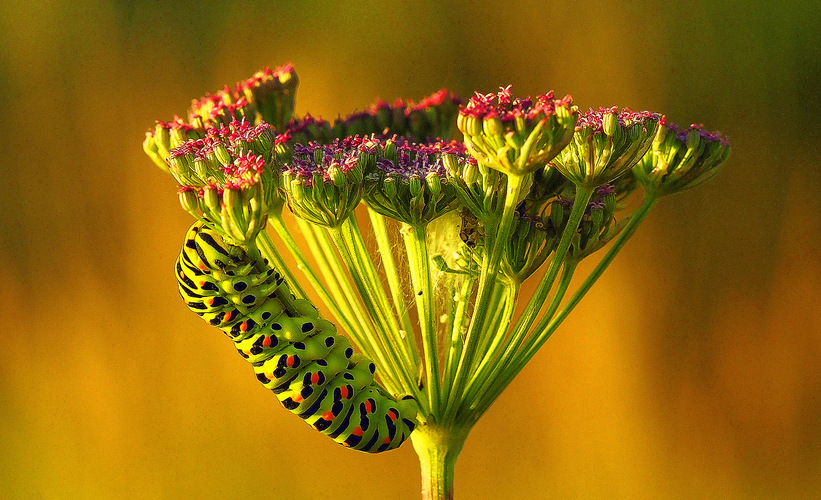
(312, 370)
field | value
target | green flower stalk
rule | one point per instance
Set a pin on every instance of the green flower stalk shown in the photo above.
(431, 287)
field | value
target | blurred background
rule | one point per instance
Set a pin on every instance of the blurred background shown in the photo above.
(690, 371)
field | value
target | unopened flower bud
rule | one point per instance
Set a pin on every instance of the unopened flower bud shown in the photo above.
(434, 183)
(389, 185)
(337, 177)
(692, 138)
(211, 198)
(470, 173)
(492, 125)
(188, 199)
(415, 185)
(610, 122)
(222, 154)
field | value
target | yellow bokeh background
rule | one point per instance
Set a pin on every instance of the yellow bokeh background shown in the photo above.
(691, 370)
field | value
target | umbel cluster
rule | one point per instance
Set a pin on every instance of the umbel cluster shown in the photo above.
(463, 202)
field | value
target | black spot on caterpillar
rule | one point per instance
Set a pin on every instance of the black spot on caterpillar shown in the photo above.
(311, 369)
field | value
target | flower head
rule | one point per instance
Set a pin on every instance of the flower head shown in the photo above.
(409, 183)
(228, 177)
(272, 94)
(516, 135)
(268, 96)
(607, 143)
(323, 182)
(429, 120)
(309, 129)
(681, 159)
(433, 117)
(166, 136)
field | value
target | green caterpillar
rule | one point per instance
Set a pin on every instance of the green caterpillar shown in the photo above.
(299, 356)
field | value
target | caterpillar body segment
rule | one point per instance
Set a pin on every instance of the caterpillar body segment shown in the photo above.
(312, 370)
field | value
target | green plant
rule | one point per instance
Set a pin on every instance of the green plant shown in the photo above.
(531, 189)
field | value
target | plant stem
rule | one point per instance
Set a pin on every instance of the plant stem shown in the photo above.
(438, 448)
(419, 261)
(396, 357)
(380, 231)
(540, 335)
(483, 304)
(635, 220)
(546, 284)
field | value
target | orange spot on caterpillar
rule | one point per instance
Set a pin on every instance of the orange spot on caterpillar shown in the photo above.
(227, 316)
(297, 398)
(357, 431)
(202, 266)
(210, 301)
(290, 361)
(368, 406)
(314, 378)
(243, 327)
(387, 440)
(266, 342)
(201, 284)
(328, 416)
(343, 391)
(393, 415)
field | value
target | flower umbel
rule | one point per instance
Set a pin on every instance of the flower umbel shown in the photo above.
(680, 160)
(227, 178)
(323, 183)
(432, 289)
(409, 182)
(607, 144)
(516, 135)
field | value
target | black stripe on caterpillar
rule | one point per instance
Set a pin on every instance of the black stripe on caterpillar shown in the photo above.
(311, 369)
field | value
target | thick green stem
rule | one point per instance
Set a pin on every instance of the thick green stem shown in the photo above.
(438, 448)
(419, 262)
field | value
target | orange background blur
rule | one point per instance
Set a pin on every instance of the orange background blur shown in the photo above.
(690, 371)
